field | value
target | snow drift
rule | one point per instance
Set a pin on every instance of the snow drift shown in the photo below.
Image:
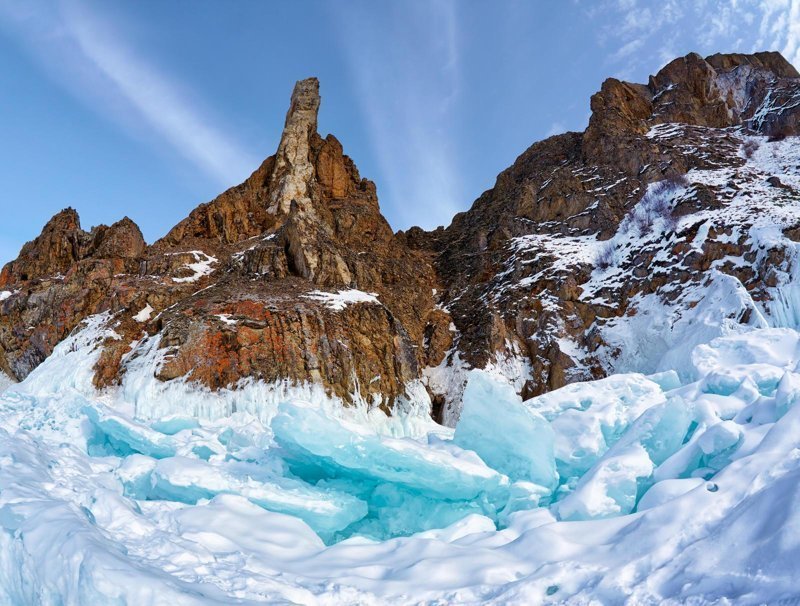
(631, 488)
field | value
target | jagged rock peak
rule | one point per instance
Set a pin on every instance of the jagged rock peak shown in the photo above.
(307, 173)
(731, 90)
(718, 91)
(63, 242)
(52, 252)
(294, 169)
(304, 105)
(771, 61)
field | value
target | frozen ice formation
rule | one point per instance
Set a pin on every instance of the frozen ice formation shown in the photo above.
(519, 443)
(113, 434)
(632, 488)
(315, 441)
(410, 485)
(186, 480)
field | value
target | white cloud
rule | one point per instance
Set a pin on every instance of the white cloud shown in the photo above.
(779, 28)
(407, 93)
(635, 32)
(792, 46)
(556, 128)
(86, 54)
(627, 49)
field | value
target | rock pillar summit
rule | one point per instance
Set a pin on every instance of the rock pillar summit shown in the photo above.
(294, 169)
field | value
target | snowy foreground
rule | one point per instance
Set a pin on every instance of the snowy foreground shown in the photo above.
(631, 489)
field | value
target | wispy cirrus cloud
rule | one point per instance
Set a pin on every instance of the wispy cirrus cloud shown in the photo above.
(407, 94)
(86, 54)
(779, 27)
(636, 31)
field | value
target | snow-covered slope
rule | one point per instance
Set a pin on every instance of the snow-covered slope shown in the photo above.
(753, 282)
(631, 488)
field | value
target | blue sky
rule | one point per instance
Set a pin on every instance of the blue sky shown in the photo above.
(149, 108)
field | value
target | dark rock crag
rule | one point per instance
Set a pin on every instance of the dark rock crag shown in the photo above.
(503, 287)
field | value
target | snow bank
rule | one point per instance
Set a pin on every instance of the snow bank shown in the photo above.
(630, 489)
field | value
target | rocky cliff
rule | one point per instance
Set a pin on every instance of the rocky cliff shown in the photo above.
(292, 275)
(583, 259)
(557, 272)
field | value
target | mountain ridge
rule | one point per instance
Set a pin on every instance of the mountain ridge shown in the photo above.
(294, 275)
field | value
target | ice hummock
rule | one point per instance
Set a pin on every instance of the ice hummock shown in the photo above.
(518, 442)
(631, 488)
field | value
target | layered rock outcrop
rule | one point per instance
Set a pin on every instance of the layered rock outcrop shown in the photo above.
(520, 268)
(294, 275)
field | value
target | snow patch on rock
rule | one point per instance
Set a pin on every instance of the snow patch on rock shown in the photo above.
(144, 314)
(337, 301)
(201, 267)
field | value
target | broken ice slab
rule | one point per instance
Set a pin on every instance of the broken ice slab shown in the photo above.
(507, 435)
(172, 424)
(667, 380)
(395, 512)
(616, 481)
(116, 435)
(589, 418)
(189, 480)
(330, 447)
(610, 488)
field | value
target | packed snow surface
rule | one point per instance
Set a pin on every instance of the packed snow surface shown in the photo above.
(631, 489)
(202, 266)
(337, 301)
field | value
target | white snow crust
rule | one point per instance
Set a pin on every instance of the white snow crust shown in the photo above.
(337, 301)
(144, 314)
(631, 489)
(668, 323)
(202, 266)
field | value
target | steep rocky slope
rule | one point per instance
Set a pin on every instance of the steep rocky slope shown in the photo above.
(594, 252)
(671, 184)
(293, 275)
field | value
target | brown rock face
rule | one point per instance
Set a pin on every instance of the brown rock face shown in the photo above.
(293, 172)
(60, 278)
(53, 252)
(295, 274)
(123, 240)
(510, 291)
(248, 285)
(63, 243)
(237, 214)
